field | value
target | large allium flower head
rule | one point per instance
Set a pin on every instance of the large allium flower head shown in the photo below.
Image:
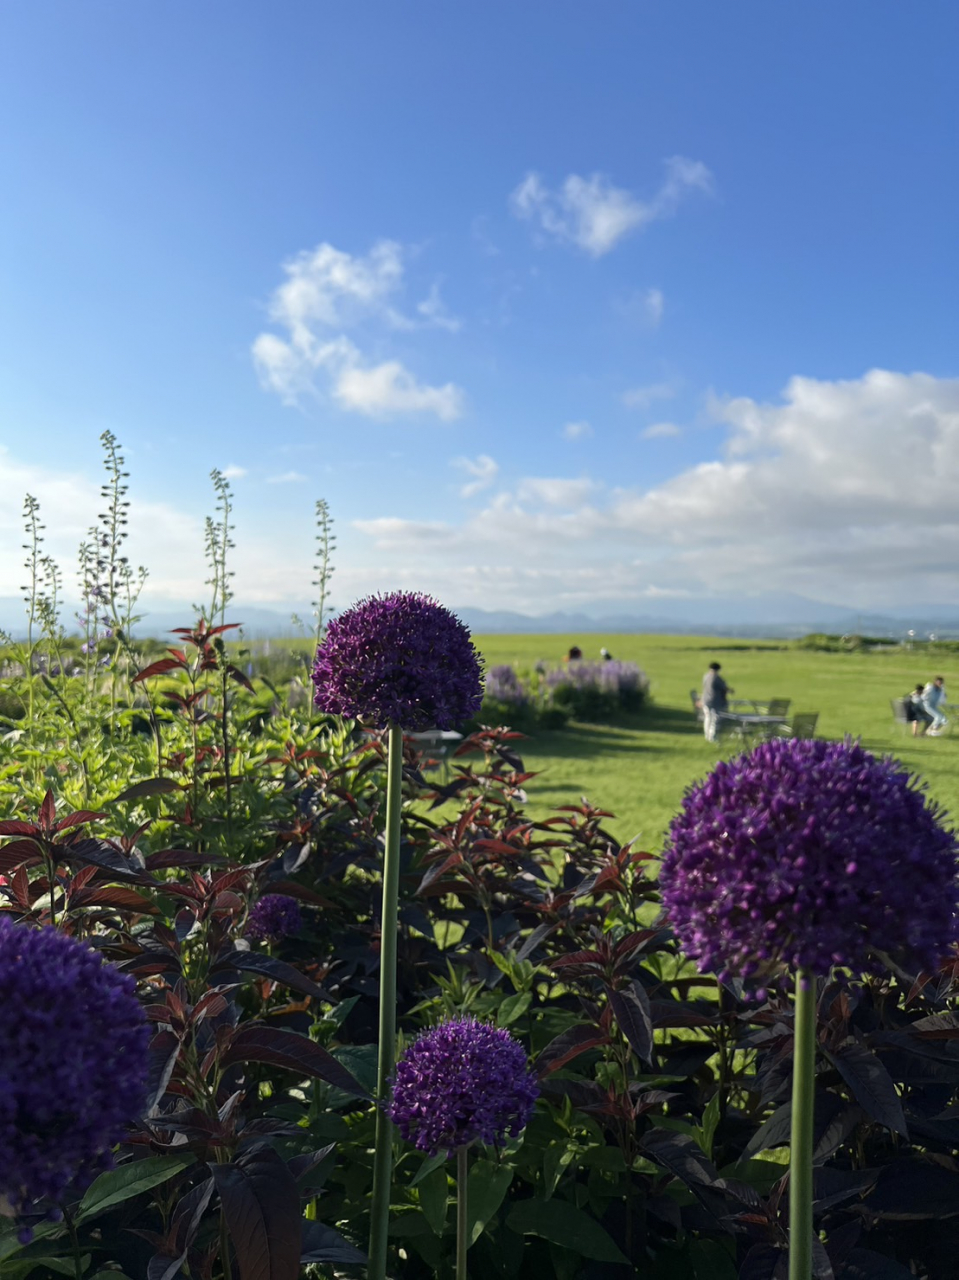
(462, 1082)
(73, 1063)
(810, 854)
(401, 658)
(274, 916)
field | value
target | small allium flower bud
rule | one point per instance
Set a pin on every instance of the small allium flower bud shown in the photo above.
(462, 1082)
(73, 1062)
(273, 917)
(810, 854)
(400, 658)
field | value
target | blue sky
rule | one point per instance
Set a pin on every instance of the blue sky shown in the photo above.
(558, 306)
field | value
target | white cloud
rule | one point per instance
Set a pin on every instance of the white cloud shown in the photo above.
(593, 214)
(288, 477)
(661, 431)
(328, 290)
(577, 431)
(655, 304)
(844, 491)
(483, 470)
(327, 287)
(434, 312)
(388, 389)
(555, 491)
(233, 472)
(643, 397)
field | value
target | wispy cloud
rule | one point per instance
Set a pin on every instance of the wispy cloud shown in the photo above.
(327, 292)
(233, 472)
(661, 431)
(288, 477)
(643, 397)
(483, 470)
(594, 215)
(655, 305)
(435, 312)
(577, 431)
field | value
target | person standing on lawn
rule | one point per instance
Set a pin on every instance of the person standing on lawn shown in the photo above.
(934, 699)
(715, 694)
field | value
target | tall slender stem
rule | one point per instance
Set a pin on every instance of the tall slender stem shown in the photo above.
(383, 1155)
(462, 1212)
(801, 1134)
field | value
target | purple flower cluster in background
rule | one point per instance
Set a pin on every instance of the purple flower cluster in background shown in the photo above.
(810, 854)
(613, 677)
(274, 916)
(503, 684)
(462, 1082)
(402, 658)
(73, 1063)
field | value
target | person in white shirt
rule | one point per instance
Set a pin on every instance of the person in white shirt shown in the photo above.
(934, 699)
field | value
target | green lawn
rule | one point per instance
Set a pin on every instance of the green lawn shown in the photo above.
(640, 767)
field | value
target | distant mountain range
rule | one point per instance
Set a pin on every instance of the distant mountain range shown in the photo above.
(775, 616)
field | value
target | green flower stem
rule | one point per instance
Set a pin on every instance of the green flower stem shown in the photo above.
(383, 1154)
(462, 1212)
(801, 1137)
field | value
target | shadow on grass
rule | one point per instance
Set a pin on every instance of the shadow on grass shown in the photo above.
(579, 739)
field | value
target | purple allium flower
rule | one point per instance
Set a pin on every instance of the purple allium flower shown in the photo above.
(810, 854)
(461, 1082)
(73, 1062)
(503, 684)
(401, 658)
(273, 917)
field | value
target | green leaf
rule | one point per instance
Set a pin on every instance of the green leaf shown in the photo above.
(487, 1187)
(21, 1267)
(563, 1224)
(426, 1168)
(557, 1158)
(434, 1193)
(9, 1244)
(707, 1132)
(513, 1007)
(128, 1181)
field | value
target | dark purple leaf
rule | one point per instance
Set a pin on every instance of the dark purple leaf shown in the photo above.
(18, 853)
(323, 1244)
(300, 1166)
(269, 967)
(870, 1083)
(254, 1042)
(913, 1190)
(863, 1264)
(764, 1262)
(98, 853)
(539, 934)
(568, 1045)
(630, 1005)
(164, 1051)
(261, 1204)
(681, 1156)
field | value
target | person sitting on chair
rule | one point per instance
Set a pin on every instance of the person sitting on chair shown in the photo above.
(916, 713)
(934, 699)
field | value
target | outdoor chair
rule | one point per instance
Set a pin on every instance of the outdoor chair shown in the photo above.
(900, 711)
(778, 707)
(802, 725)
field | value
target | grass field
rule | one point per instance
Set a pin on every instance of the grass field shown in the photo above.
(640, 767)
